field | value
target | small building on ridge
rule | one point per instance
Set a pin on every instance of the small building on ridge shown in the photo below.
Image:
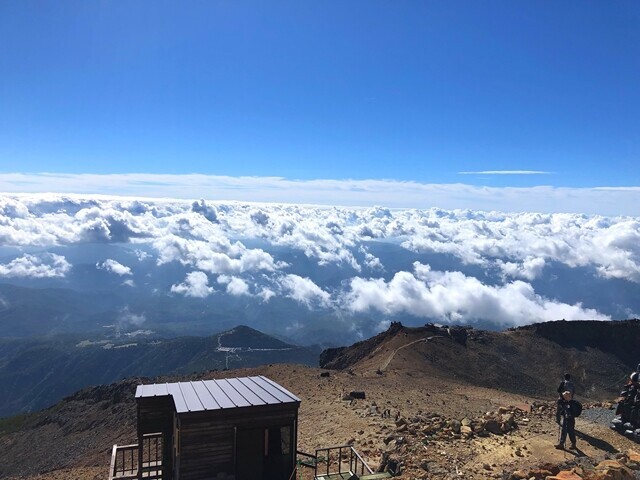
(236, 428)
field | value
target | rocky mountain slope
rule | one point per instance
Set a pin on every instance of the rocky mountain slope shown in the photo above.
(443, 404)
(529, 360)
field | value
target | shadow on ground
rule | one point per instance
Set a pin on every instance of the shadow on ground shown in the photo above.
(596, 442)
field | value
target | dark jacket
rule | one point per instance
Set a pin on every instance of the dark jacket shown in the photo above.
(565, 409)
(630, 393)
(566, 386)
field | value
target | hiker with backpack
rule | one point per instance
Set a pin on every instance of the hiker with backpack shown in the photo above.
(566, 413)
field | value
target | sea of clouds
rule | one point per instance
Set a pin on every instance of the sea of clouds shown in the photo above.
(229, 248)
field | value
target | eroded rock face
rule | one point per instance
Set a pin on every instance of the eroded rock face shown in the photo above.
(620, 338)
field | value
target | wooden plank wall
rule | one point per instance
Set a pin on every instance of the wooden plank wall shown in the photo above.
(207, 443)
(155, 414)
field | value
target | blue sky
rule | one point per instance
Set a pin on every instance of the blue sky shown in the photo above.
(409, 91)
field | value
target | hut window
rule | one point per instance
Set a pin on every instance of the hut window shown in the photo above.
(285, 439)
(277, 440)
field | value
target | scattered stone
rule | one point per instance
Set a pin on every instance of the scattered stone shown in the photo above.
(454, 425)
(519, 475)
(400, 421)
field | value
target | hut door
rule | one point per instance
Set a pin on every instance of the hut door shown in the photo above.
(263, 454)
(250, 454)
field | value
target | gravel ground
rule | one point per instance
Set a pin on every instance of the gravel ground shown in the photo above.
(602, 416)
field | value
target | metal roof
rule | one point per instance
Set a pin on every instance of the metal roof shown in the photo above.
(220, 394)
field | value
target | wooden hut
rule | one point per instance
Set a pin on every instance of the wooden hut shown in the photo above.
(237, 428)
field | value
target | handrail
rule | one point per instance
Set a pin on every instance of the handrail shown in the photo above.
(354, 459)
(124, 466)
(305, 454)
(125, 459)
(361, 460)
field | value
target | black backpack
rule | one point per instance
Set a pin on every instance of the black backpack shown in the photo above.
(576, 408)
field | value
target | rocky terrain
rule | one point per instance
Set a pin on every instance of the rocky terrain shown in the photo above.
(439, 403)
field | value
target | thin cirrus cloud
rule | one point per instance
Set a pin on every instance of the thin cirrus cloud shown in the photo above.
(506, 172)
(602, 200)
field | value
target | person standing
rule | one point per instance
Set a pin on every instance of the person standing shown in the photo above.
(566, 411)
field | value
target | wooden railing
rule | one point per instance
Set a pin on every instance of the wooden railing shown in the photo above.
(125, 459)
(344, 457)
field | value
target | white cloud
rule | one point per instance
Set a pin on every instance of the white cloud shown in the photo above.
(529, 269)
(127, 319)
(113, 266)
(266, 294)
(235, 286)
(196, 284)
(305, 291)
(46, 265)
(269, 250)
(453, 297)
(141, 255)
(516, 243)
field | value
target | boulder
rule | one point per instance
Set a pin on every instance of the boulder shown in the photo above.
(541, 473)
(611, 470)
(633, 456)
(466, 430)
(493, 426)
(565, 475)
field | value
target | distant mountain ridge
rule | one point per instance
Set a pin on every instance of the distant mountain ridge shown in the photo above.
(37, 373)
